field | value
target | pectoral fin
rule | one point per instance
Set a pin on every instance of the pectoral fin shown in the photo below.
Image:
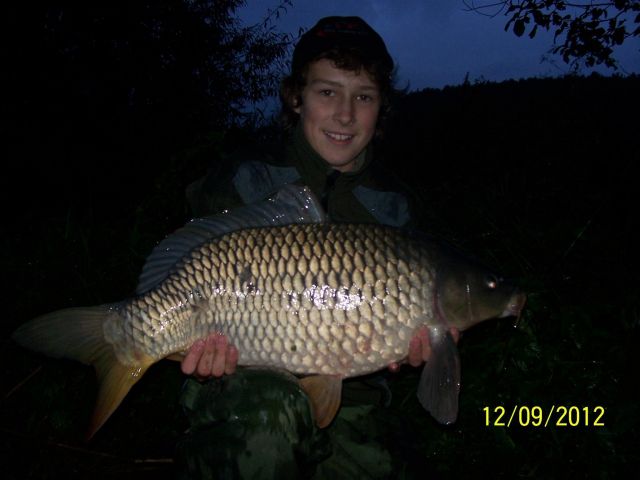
(324, 392)
(440, 380)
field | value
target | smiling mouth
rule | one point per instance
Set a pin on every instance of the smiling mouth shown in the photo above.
(338, 137)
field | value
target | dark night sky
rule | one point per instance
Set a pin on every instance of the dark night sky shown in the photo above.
(436, 42)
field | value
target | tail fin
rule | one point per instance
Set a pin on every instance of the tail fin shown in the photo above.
(77, 334)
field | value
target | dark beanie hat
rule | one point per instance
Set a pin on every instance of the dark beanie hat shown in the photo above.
(342, 33)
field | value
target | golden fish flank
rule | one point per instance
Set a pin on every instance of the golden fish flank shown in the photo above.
(327, 319)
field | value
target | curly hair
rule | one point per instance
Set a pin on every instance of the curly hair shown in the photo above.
(350, 59)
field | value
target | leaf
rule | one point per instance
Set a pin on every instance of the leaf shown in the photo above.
(508, 24)
(537, 17)
(618, 35)
(518, 27)
(620, 4)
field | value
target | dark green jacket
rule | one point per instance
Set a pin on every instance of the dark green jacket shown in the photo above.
(368, 195)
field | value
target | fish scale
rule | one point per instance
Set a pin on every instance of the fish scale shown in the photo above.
(319, 289)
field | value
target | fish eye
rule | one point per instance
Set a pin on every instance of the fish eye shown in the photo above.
(491, 281)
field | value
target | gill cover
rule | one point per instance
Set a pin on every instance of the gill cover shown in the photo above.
(468, 292)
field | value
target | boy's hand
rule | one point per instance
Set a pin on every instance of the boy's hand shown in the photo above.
(210, 357)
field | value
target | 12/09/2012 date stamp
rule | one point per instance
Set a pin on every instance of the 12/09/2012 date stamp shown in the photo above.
(536, 416)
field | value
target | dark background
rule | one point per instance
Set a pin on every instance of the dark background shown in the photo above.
(114, 109)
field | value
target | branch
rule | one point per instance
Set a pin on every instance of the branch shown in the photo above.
(472, 8)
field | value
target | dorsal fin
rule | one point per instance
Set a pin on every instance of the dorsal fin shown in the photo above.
(290, 204)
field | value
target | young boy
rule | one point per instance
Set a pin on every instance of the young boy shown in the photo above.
(333, 103)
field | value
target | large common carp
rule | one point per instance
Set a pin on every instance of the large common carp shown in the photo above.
(320, 300)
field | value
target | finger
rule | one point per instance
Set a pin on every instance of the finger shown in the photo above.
(232, 360)
(219, 359)
(425, 344)
(415, 357)
(394, 367)
(190, 361)
(206, 360)
(455, 333)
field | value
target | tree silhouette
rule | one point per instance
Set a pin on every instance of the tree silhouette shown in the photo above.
(584, 32)
(104, 97)
(165, 66)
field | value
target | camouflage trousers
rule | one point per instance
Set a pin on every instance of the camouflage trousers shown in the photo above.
(257, 424)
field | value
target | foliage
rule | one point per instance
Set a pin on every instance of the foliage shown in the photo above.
(165, 69)
(113, 95)
(534, 176)
(584, 32)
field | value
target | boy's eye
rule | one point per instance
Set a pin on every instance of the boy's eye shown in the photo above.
(326, 93)
(365, 98)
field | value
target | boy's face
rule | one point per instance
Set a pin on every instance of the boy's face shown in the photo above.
(339, 112)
